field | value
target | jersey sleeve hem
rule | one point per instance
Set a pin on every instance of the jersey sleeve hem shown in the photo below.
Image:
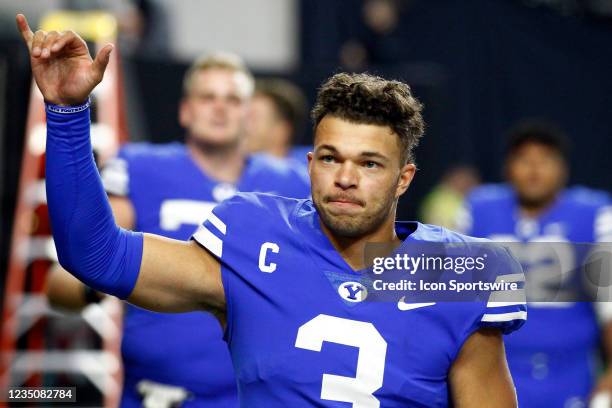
(203, 240)
(506, 309)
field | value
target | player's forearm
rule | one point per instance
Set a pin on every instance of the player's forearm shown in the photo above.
(89, 243)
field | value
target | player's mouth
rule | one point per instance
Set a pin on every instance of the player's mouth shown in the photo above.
(344, 202)
(219, 124)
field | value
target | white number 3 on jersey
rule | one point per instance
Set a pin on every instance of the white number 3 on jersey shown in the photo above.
(370, 363)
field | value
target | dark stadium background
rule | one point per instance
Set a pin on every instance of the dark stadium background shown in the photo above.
(478, 66)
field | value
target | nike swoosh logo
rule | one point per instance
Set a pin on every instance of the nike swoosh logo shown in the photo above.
(403, 306)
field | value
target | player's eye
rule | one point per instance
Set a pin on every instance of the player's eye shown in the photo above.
(327, 158)
(370, 164)
(234, 99)
(204, 97)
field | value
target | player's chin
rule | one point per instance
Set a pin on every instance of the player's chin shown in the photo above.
(218, 138)
(535, 197)
(344, 226)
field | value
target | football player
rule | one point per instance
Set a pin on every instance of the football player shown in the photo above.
(552, 358)
(259, 262)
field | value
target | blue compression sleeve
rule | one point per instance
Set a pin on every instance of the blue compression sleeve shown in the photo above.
(89, 243)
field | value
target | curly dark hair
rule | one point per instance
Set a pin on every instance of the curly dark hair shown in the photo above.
(369, 99)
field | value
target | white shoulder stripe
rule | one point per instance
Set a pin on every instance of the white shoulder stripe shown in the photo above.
(604, 238)
(604, 214)
(504, 317)
(115, 177)
(209, 240)
(214, 220)
(502, 304)
(603, 223)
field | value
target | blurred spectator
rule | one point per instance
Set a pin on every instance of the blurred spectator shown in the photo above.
(442, 204)
(277, 117)
(374, 38)
(551, 359)
(381, 16)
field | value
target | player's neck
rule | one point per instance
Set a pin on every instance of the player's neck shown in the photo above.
(279, 150)
(222, 163)
(352, 249)
(277, 143)
(535, 209)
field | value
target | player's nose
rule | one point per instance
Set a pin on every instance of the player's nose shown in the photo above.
(347, 175)
(220, 105)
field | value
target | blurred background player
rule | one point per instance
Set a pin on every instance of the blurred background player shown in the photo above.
(277, 117)
(169, 189)
(552, 360)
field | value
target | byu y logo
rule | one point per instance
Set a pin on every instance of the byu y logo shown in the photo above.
(353, 292)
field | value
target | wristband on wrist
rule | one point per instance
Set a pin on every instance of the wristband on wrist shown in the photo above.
(68, 109)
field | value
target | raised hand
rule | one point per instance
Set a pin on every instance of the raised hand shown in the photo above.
(61, 64)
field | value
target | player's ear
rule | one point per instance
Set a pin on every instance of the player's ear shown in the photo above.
(183, 113)
(310, 157)
(407, 173)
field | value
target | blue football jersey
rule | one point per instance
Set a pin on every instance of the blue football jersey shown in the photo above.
(171, 196)
(296, 341)
(552, 360)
